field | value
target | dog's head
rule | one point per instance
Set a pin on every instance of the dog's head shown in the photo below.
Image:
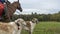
(20, 21)
(35, 20)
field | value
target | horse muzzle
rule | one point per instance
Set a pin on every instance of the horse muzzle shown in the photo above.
(21, 10)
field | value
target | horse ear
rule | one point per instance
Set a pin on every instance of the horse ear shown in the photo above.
(18, 0)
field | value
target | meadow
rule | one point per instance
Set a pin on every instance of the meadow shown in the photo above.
(46, 28)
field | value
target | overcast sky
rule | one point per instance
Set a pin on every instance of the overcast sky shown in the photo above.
(39, 6)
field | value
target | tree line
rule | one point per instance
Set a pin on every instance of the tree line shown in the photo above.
(40, 17)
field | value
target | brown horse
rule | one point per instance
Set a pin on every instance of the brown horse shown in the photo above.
(11, 8)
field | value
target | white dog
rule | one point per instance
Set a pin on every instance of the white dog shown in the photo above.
(10, 28)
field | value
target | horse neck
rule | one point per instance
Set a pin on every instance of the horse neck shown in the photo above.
(14, 5)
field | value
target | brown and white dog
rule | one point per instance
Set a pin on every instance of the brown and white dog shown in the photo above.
(28, 25)
(9, 28)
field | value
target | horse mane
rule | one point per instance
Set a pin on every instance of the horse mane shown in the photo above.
(8, 2)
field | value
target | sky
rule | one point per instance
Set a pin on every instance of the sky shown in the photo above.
(39, 6)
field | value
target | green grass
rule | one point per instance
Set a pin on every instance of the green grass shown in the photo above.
(46, 28)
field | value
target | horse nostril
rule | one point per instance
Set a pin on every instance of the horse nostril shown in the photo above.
(21, 10)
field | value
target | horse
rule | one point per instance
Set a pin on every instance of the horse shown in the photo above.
(11, 8)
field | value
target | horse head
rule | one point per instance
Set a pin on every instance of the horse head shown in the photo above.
(19, 6)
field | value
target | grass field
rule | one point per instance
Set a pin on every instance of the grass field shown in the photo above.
(46, 28)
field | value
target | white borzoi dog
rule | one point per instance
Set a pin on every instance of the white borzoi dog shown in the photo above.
(10, 28)
(28, 25)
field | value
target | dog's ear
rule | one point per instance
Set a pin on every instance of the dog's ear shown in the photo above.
(33, 21)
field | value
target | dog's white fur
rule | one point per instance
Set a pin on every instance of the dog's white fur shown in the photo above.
(9, 28)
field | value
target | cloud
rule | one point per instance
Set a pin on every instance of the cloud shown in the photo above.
(38, 11)
(40, 4)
